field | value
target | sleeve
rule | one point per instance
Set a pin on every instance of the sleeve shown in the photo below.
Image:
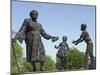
(44, 34)
(22, 32)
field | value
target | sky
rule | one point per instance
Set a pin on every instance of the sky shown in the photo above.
(57, 20)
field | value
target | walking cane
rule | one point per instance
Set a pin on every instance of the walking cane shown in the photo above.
(15, 56)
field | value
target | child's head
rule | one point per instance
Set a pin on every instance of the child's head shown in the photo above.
(64, 38)
(83, 27)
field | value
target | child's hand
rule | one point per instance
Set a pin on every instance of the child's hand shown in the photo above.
(76, 43)
(73, 41)
(56, 47)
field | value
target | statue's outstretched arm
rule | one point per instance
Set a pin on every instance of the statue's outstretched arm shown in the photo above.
(47, 36)
(78, 40)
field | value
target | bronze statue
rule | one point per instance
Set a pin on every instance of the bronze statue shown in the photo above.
(89, 50)
(61, 54)
(31, 32)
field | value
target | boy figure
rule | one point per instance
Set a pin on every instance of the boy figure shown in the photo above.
(31, 32)
(89, 50)
(61, 54)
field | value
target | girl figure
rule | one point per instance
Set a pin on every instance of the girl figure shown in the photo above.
(61, 54)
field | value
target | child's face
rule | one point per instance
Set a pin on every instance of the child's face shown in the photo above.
(64, 38)
(83, 27)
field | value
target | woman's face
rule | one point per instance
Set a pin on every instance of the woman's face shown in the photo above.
(34, 15)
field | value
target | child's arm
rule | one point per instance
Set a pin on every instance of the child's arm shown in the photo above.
(57, 46)
(67, 47)
(79, 40)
